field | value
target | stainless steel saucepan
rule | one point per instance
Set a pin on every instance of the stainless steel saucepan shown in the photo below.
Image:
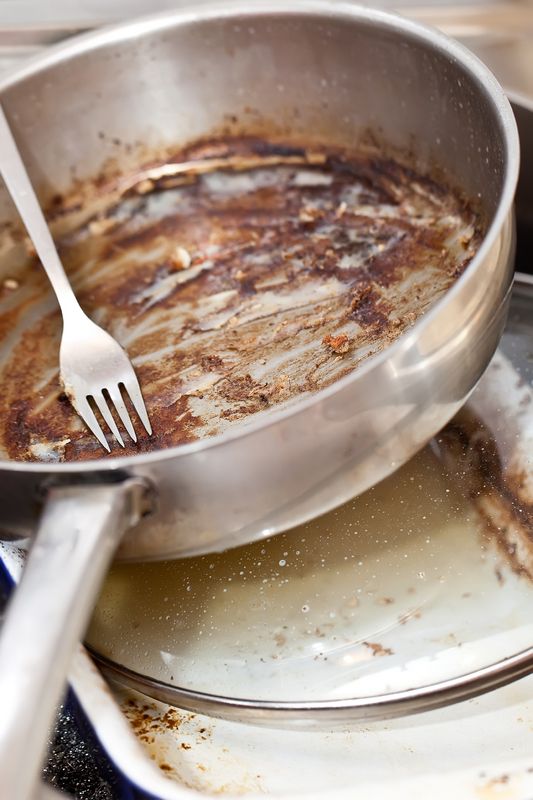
(337, 71)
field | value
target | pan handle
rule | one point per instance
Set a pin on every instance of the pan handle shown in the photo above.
(77, 537)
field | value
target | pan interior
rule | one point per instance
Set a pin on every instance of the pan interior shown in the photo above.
(240, 276)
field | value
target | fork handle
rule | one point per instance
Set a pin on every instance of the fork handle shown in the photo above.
(77, 537)
(22, 193)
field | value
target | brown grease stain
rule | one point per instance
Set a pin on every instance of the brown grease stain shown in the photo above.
(471, 451)
(282, 260)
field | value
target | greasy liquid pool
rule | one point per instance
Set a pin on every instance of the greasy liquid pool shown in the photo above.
(401, 587)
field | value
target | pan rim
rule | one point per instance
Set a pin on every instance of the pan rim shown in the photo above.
(311, 713)
(334, 10)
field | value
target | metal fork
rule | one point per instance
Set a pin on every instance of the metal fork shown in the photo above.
(91, 362)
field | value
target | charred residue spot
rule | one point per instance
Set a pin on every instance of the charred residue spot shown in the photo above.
(338, 344)
(240, 387)
(369, 308)
(211, 363)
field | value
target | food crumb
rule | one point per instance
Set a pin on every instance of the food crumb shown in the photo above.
(339, 344)
(11, 284)
(181, 258)
(341, 210)
(145, 186)
(378, 649)
(306, 215)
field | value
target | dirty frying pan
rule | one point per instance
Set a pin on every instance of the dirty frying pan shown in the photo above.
(328, 75)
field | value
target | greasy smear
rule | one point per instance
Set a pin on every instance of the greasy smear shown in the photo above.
(256, 275)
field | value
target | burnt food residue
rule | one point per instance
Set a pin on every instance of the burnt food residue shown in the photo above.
(257, 275)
